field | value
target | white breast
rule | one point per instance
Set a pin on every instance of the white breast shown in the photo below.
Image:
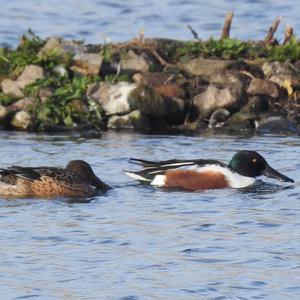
(238, 181)
(234, 179)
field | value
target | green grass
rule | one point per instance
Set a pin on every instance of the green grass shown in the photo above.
(12, 62)
(236, 49)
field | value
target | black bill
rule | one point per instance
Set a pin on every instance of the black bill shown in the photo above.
(270, 172)
(99, 184)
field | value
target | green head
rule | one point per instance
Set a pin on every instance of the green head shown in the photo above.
(252, 164)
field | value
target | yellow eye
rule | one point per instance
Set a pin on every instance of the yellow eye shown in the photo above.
(254, 160)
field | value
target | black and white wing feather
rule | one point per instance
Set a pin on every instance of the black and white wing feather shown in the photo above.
(154, 168)
(29, 173)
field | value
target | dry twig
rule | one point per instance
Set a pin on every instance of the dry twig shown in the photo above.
(227, 24)
(269, 38)
(289, 32)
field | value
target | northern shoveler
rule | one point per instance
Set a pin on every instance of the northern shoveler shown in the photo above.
(202, 174)
(76, 180)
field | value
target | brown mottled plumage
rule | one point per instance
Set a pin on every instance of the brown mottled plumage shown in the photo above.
(76, 180)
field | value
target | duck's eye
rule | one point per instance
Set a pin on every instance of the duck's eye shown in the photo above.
(254, 160)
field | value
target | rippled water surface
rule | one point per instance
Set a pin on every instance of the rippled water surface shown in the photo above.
(139, 242)
(118, 20)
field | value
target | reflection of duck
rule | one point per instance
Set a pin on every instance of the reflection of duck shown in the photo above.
(76, 180)
(204, 174)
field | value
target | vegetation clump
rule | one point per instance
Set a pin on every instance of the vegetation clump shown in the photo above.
(68, 105)
(236, 49)
(59, 108)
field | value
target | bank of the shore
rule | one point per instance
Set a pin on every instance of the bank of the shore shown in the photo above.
(151, 84)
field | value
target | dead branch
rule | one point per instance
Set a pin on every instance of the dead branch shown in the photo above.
(227, 24)
(269, 37)
(289, 32)
(141, 35)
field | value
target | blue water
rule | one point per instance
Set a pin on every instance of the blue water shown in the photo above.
(139, 242)
(117, 20)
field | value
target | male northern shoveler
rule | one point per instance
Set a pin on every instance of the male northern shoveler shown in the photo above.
(76, 180)
(202, 174)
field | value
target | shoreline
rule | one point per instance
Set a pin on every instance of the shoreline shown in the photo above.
(227, 85)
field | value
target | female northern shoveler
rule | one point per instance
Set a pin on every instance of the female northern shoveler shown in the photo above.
(76, 180)
(202, 174)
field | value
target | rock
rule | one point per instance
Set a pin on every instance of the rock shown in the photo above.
(206, 67)
(239, 121)
(11, 88)
(170, 90)
(161, 82)
(45, 93)
(30, 74)
(175, 110)
(123, 97)
(87, 63)
(3, 112)
(53, 45)
(229, 78)
(133, 62)
(22, 104)
(78, 106)
(233, 80)
(114, 98)
(153, 79)
(133, 120)
(282, 79)
(61, 71)
(21, 120)
(145, 99)
(281, 73)
(256, 104)
(278, 68)
(93, 89)
(242, 118)
(216, 97)
(61, 47)
(264, 87)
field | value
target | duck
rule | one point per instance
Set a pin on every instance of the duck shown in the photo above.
(205, 174)
(77, 179)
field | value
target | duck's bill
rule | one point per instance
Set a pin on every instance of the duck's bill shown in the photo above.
(272, 173)
(99, 184)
